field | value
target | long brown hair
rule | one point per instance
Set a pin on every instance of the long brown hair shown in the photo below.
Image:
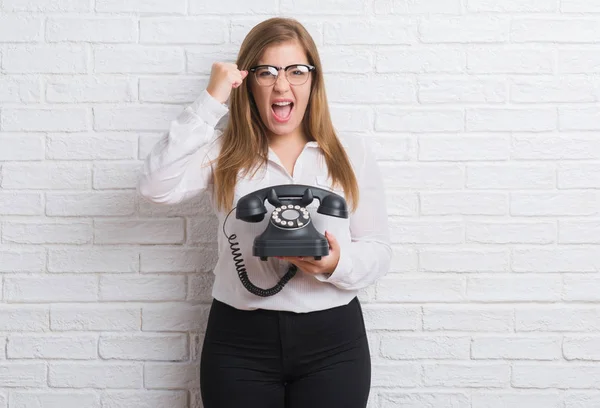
(245, 132)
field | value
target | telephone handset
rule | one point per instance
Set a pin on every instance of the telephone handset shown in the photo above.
(290, 231)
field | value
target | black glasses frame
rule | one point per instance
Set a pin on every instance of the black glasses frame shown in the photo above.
(311, 68)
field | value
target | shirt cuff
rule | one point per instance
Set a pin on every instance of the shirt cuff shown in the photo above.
(342, 269)
(208, 108)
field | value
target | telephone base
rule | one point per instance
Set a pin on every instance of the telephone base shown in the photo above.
(298, 247)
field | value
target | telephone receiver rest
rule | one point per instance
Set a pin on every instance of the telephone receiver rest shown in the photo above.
(251, 207)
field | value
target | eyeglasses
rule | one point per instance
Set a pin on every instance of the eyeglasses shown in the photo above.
(297, 74)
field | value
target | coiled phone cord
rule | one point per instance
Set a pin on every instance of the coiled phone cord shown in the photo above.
(243, 275)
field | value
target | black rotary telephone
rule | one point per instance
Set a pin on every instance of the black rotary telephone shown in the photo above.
(290, 231)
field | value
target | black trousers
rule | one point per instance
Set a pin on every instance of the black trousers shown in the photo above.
(271, 359)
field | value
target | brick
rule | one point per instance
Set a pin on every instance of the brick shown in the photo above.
(79, 29)
(512, 6)
(24, 318)
(552, 90)
(581, 288)
(54, 399)
(45, 59)
(14, 89)
(72, 347)
(574, 399)
(463, 203)
(95, 317)
(465, 260)
(388, 374)
(515, 232)
(92, 146)
(41, 120)
(582, 118)
(197, 205)
(141, 6)
(201, 230)
(175, 317)
(419, 347)
(199, 59)
(420, 289)
(380, 88)
(578, 175)
(22, 260)
(462, 90)
(501, 399)
(581, 348)
(233, 7)
(46, 176)
(425, 59)
(509, 60)
(426, 232)
(392, 317)
(579, 232)
(555, 375)
(200, 288)
(16, 28)
(537, 30)
(166, 231)
(557, 319)
(93, 260)
(578, 61)
(469, 375)
(511, 119)
(554, 204)
(171, 90)
(176, 260)
(240, 27)
(22, 374)
(514, 176)
(464, 29)
(579, 6)
(146, 288)
(417, 7)
(183, 31)
(360, 32)
(145, 398)
(171, 376)
(19, 203)
(135, 118)
(556, 259)
(64, 288)
(146, 347)
(516, 348)
(351, 118)
(138, 59)
(398, 119)
(438, 399)
(48, 5)
(523, 288)
(479, 147)
(93, 89)
(346, 60)
(474, 318)
(555, 146)
(21, 146)
(94, 375)
(116, 175)
(90, 204)
(47, 232)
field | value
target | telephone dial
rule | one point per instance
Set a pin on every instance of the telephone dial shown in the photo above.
(290, 231)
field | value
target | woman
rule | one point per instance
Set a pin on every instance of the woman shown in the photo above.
(306, 345)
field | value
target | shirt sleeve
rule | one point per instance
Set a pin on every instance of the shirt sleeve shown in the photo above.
(369, 255)
(178, 165)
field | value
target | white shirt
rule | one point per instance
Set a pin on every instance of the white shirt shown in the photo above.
(176, 169)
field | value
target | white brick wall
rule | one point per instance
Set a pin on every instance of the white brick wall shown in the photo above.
(484, 117)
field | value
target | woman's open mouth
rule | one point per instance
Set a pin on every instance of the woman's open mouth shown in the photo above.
(282, 111)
